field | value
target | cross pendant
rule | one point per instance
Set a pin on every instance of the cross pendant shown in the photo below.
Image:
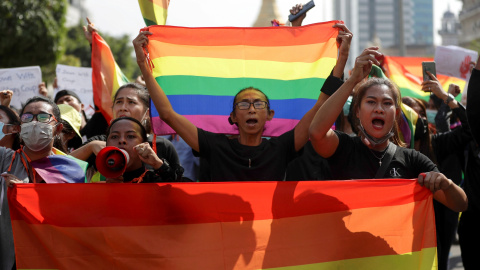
(380, 163)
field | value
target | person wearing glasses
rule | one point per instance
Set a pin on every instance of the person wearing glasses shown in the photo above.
(248, 156)
(39, 126)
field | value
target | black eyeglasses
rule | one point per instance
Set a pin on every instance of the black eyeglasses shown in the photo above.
(41, 117)
(244, 105)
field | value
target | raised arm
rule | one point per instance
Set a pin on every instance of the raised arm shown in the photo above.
(473, 99)
(179, 123)
(344, 39)
(324, 140)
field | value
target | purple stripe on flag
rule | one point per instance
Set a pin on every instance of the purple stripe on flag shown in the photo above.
(219, 124)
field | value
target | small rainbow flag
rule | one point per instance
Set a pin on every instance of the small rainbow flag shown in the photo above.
(106, 76)
(362, 224)
(201, 70)
(154, 12)
(61, 168)
(407, 73)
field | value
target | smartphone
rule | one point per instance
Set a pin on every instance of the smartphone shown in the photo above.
(428, 66)
(304, 9)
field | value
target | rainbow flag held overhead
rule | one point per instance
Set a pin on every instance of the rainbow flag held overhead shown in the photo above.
(106, 76)
(362, 224)
(202, 69)
(154, 12)
(406, 72)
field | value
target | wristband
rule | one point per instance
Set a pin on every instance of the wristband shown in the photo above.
(449, 98)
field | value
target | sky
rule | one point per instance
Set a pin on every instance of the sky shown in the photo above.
(119, 17)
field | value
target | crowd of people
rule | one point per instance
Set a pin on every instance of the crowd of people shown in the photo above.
(367, 145)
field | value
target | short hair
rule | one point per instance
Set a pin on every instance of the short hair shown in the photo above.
(65, 92)
(13, 119)
(55, 109)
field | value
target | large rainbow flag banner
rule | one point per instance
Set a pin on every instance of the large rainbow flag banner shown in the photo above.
(154, 12)
(106, 76)
(407, 73)
(362, 224)
(202, 69)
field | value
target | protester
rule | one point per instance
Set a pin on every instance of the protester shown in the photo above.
(39, 126)
(446, 150)
(131, 100)
(70, 138)
(129, 134)
(468, 232)
(376, 108)
(9, 128)
(71, 98)
(248, 156)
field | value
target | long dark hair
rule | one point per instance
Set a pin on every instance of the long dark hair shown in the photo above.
(143, 96)
(13, 119)
(360, 93)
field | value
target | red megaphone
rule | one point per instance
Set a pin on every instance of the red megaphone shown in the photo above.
(112, 161)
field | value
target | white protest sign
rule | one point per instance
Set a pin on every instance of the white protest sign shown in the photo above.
(23, 81)
(78, 80)
(454, 61)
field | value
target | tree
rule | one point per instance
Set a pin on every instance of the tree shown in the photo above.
(76, 46)
(33, 33)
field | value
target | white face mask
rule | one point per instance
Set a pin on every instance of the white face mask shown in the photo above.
(36, 135)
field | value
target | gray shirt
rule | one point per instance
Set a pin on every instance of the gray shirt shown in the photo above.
(7, 251)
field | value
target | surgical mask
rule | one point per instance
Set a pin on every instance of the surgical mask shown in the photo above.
(374, 141)
(1, 130)
(36, 135)
(346, 106)
(431, 115)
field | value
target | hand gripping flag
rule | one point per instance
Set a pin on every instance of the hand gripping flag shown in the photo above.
(362, 224)
(201, 70)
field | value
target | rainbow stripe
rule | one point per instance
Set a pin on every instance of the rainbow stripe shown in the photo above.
(363, 224)
(154, 12)
(201, 70)
(406, 72)
(106, 76)
(61, 168)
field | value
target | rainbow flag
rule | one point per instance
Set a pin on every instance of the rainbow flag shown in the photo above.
(202, 69)
(363, 224)
(407, 73)
(154, 12)
(106, 76)
(61, 168)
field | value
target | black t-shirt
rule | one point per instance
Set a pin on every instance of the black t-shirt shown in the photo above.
(354, 160)
(231, 161)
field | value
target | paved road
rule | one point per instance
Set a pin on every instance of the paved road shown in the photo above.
(455, 260)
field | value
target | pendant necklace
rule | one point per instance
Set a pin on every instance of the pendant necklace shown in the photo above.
(379, 158)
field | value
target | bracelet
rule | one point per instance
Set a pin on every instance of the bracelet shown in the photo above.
(449, 98)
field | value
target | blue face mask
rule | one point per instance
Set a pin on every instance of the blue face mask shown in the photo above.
(431, 115)
(346, 106)
(1, 130)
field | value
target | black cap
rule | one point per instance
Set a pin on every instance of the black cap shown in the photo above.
(63, 93)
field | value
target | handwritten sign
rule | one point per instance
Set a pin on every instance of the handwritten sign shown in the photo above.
(23, 81)
(78, 80)
(454, 61)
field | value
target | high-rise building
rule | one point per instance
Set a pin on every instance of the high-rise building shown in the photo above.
(378, 22)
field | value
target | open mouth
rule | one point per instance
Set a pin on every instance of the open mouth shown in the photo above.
(252, 121)
(378, 123)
